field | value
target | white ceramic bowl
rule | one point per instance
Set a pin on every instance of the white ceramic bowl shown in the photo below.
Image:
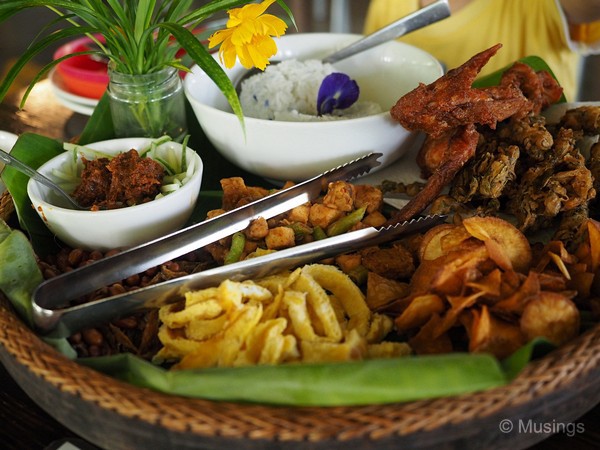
(123, 227)
(296, 151)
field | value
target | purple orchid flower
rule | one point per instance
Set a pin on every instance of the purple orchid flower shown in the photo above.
(337, 91)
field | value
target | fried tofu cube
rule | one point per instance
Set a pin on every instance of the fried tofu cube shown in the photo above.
(258, 229)
(369, 196)
(340, 195)
(322, 216)
(234, 189)
(374, 219)
(236, 193)
(395, 262)
(256, 193)
(299, 214)
(280, 237)
(348, 261)
(214, 213)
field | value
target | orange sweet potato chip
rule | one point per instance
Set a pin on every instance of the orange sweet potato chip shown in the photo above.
(418, 312)
(492, 335)
(507, 246)
(551, 315)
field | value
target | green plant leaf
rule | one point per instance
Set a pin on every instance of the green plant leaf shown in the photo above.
(288, 11)
(117, 12)
(211, 8)
(18, 5)
(99, 126)
(143, 18)
(33, 150)
(176, 10)
(208, 64)
(34, 50)
(44, 70)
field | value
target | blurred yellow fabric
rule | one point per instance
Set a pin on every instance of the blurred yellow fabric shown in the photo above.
(524, 28)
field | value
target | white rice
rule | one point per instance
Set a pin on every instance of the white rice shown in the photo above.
(288, 92)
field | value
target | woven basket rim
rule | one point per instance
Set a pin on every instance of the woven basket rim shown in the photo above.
(545, 376)
(7, 206)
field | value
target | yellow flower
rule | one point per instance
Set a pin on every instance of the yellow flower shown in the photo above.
(249, 36)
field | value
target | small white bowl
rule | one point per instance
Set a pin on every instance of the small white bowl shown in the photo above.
(123, 227)
(296, 151)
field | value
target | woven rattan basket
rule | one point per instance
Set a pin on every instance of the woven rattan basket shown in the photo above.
(559, 387)
(7, 206)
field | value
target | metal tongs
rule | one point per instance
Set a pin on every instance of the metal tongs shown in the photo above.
(53, 317)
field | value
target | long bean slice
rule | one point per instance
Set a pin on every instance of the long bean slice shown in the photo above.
(345, 223)
(238, 241)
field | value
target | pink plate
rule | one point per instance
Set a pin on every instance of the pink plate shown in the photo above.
(82, 75)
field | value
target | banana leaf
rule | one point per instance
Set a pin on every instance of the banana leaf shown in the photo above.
(333, 384)
(34, 150)
(19, 273)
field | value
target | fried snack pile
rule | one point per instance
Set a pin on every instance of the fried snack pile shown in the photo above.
(480, 287)
(535, 172)
(342, 207)
(314, 314)
(451, 112)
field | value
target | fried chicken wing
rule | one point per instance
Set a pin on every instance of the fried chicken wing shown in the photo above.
(552, 92)
(524, 78)
(432, 153)
(461, 147)
(451, 102)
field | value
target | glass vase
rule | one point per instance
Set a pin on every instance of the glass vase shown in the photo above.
(147, 105)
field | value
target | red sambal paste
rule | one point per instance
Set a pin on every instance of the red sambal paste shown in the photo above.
(125, 180)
